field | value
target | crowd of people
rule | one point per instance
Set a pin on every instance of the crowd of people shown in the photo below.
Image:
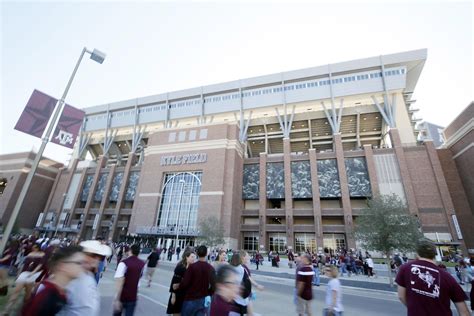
(52, 276)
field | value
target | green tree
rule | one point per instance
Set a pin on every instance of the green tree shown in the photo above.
(386, 226)
(211, 232)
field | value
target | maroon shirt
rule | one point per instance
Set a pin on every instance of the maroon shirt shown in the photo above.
(305, 274)
(429, 289)
(220, 307)
(48, 300)
(31, 262)
(198, 281)
(132, 276)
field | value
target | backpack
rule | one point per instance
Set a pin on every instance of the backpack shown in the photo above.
(246, 285)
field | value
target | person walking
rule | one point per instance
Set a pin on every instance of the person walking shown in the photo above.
(65, 265)
(427, 290)
(175, 302)
(316, 278)
(178, 251)
(227, 289)
(333, 293)
(370, 266)
(304, 290)
(258, 259)
(152, 262)
(32, 266)
(127, 276)
(221, 258)
(79, 304)
(198, 282)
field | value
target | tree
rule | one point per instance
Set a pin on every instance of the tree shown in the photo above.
(211, 232)
(386, 226)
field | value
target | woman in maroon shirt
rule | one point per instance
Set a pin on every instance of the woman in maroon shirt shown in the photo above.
(32, 266)
(227, 289)
(50, 297)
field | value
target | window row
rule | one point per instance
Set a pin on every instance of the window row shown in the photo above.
(246, 94)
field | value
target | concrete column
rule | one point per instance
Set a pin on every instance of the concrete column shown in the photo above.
(318, 222)
(404, 173)
(443, 191)
(50, 197)
(123, 188)
(262, 200)
(78, 193)
(103, 203)
(90, 199)
(288, 194)
(369, 159)
(346, 200)
(72, 171)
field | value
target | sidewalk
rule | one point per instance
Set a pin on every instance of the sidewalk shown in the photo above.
(379, 282)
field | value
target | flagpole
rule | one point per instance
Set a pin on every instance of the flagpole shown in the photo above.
(44, 141)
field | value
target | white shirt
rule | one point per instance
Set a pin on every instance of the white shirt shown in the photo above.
(121, 270)
(240, 300)
(83, 297)
(334, 285)
(370, 262)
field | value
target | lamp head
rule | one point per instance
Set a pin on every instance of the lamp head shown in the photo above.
(98, 56)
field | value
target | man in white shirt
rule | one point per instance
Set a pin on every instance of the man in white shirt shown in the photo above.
(83, 297)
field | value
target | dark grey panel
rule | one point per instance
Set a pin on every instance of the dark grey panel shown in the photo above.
(132, 186)
(116, 183)
(357, 177)
(86, 188)
(275, 180)
(301, 180)
(328, 178)
(99, 193)
(251, 182)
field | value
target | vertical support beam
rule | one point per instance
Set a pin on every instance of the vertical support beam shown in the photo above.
(266, 138)
(90, 199)
(443, 190)
(358, 129)
(104, 201)
(318, 221)
(203, 109)
(288, 194)
(310, 134)
(262, 201)
(75, 198)
(369, 159)
(345, 197)
(121, 197)
(50, 197)
(404, 172)
(167, 121)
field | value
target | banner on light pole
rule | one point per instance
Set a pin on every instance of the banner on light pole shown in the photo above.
(68, 126)
(37, 112)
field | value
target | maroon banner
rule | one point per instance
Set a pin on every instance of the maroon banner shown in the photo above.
(36, 114)
(68, 126)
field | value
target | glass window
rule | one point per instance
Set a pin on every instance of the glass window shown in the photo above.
(180, 199)
(277, 242)
(250, 241)
(305, 242)
(333, 242)
(132, 186)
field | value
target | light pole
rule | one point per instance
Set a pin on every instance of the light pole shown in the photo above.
(182, 182)
(97, 56)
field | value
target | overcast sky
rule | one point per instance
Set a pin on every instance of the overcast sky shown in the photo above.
(154, 47)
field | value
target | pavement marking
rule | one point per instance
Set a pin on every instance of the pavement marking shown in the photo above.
(153, 300)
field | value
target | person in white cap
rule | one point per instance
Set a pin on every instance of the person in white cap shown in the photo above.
(78, 302)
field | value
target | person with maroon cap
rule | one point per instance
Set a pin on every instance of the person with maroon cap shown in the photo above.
(128, 274)
(198, 282)
(427, 290)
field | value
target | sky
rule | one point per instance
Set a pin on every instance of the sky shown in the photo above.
(154, 47)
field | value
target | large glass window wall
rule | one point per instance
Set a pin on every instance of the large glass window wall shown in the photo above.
(305, 242)
(250, 241)
(180, 198)
(277, 242)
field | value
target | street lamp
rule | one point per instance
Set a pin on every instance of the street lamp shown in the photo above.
(182, 182)
(97, 56)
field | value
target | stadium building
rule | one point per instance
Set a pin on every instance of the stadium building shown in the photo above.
(281, 160)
